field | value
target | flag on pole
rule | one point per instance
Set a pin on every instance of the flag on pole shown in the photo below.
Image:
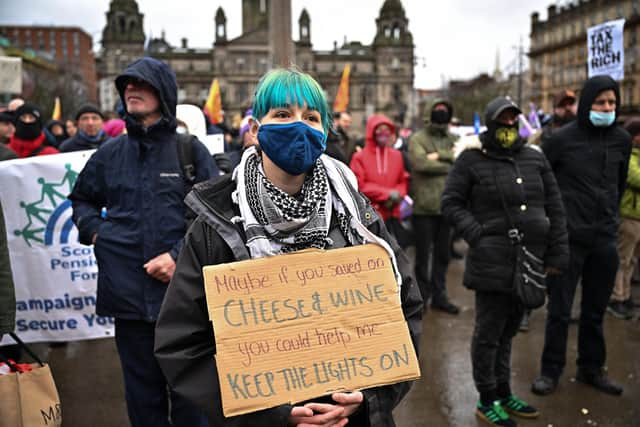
(476, 122)
(57, 110)
(534, 120)
(213, 106)
(342, 97)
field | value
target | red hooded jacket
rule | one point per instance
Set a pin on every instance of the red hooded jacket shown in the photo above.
(25, 148)
(380, 170)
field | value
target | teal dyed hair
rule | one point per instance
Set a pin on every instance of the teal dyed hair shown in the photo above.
(284, 87)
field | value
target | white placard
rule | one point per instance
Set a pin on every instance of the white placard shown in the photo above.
(605, 48)
(10, 74)
(54, 275)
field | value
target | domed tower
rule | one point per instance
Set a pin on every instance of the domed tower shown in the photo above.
(393, 48)
(304, 28)
(221, 26)
(123, 41)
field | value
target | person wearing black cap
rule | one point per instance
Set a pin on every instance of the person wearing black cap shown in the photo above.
(138, 178)
(6, 127)
(29, 139)
(498, 180)
(90, 134)
(590, 159)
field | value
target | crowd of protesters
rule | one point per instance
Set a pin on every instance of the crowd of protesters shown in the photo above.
(296, 178)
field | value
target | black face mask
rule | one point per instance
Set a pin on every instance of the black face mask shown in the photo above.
(28, 131)
(440, 117)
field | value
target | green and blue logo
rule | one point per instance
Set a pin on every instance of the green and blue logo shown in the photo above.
(49, 219)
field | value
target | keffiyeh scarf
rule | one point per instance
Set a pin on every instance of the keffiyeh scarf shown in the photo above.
(276, 222)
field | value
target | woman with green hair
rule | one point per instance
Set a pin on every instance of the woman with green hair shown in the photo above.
(284, 196)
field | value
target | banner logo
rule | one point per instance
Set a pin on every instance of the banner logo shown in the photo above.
(48, 219)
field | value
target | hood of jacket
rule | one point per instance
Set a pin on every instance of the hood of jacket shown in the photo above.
(426, 116)
(494, 108)
(193, 117)
(590, 91)
(163, 80)
(374, 121)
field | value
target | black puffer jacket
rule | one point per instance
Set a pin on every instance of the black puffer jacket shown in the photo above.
(185, 344)
(471, 201)
(590, 165)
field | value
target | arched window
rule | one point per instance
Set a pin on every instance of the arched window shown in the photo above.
(387, 32)
(220, 30)
(396, 33)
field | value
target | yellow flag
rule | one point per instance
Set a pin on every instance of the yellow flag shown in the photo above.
(57, 110)
(342, 97)
(213, 106)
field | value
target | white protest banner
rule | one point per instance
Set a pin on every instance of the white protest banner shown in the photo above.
(10, 74)
(54, 275)
(605, 48)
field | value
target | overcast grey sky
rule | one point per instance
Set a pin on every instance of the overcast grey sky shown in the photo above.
(453, 38)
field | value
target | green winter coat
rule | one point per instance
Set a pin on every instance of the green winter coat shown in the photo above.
(630, 204)
(7, 293)
(428, 176)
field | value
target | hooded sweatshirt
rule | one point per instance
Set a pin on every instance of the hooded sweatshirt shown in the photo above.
(590, 164)
(428, 176)
(138, 178)
(380, 170)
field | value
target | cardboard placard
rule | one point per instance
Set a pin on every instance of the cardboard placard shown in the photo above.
(297, 326)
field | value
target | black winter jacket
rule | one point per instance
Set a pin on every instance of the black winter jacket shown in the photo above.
(472, 203)
(185, 345)
(590, 165)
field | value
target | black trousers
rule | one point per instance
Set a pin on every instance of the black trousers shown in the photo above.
(146, 390)
(597, 266)
(432, 236)
(498, 317)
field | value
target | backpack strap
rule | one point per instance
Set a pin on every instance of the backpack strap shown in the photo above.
(185, 156)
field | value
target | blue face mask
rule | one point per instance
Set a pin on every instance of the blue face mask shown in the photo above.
(602, 120)
(293, 147)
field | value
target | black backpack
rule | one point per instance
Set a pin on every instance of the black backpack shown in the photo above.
(185, 156)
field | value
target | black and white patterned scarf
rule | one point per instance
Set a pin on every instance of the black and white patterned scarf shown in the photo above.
(276, 222)
(294, 222)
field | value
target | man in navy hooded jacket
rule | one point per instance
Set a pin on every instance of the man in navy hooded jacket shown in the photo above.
(138, 178)
(590, 159)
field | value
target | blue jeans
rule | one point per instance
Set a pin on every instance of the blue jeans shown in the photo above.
(146, 390)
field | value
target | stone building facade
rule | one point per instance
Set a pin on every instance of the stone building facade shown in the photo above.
(70, 48)
(381, 72)
(558, 49)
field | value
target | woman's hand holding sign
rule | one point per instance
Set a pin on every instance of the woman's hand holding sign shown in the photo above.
(326, 414)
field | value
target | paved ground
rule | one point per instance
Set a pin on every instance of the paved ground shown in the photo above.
(89, 379)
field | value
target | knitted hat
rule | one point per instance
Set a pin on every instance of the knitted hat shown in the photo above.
(89, 108)
(29, 109)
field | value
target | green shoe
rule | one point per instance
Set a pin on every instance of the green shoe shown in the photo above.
(494, 415)
(518, 407)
